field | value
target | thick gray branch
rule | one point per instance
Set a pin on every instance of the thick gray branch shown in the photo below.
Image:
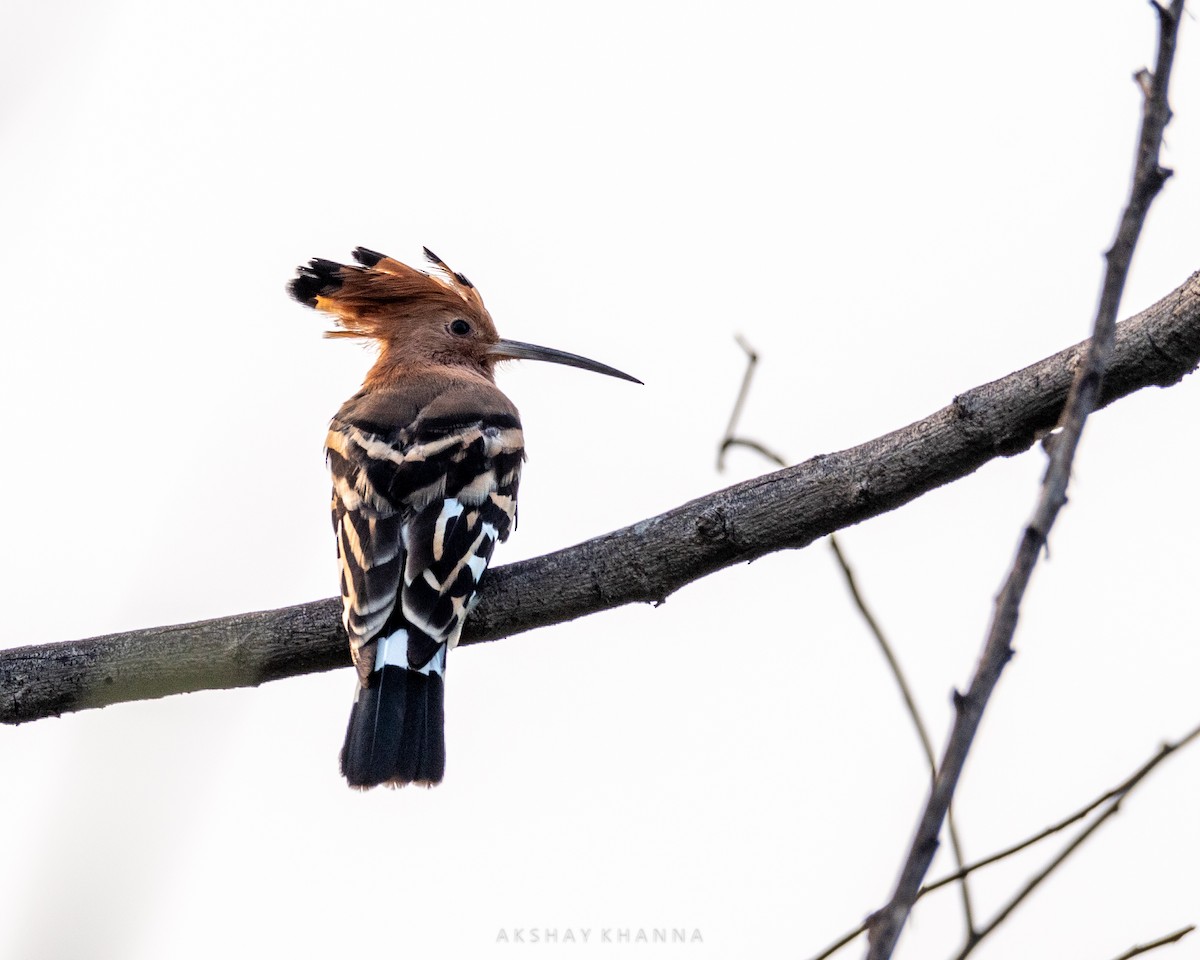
(646, 562)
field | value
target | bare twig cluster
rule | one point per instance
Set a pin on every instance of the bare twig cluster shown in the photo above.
(885, 925)
(733, 438)
(1108, 804)
(1148, 179)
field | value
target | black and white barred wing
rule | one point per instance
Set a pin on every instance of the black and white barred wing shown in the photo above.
(449, 546)
(370, 545)
(417, 518)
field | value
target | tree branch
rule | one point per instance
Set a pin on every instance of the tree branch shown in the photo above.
(1148, 179)
(645, 562)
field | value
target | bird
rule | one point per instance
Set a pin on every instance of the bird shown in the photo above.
(425, 461)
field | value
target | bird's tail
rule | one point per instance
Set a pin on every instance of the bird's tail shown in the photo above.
(395, 735)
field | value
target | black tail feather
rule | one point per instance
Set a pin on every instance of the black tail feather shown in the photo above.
(433, 759)
(395, 735)
(412, 744)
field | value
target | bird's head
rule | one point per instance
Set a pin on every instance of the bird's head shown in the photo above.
(421, 320)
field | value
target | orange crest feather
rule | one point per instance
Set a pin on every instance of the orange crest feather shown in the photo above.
(381, 298)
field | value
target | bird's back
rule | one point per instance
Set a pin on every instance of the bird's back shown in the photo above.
(425, 476)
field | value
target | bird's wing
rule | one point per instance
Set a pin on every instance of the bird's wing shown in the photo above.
(417, 510)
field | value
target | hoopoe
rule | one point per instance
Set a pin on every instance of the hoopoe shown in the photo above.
(425, 460)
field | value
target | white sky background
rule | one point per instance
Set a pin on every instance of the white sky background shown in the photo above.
(892, 202)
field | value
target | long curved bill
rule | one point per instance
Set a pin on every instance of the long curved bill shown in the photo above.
(515, 350)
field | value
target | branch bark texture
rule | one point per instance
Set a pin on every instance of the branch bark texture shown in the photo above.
(645, 562)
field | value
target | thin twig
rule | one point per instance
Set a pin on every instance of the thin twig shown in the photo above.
(749, 445)
(731, 439)
(1116, 796)
(860, 602)
(1155, 944)
(1035, 881)
(844, 941)
(918, 723)
(1118, 792)
(1148, 180)
(1114, 806)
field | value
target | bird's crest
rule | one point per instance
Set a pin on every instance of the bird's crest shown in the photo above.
(373, 298)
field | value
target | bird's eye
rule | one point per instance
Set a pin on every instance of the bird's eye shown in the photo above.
(460, 328)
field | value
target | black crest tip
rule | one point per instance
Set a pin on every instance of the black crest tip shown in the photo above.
(317, 279)
(438, 261)
(305, 290)
(327, 268)
(367, 257)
